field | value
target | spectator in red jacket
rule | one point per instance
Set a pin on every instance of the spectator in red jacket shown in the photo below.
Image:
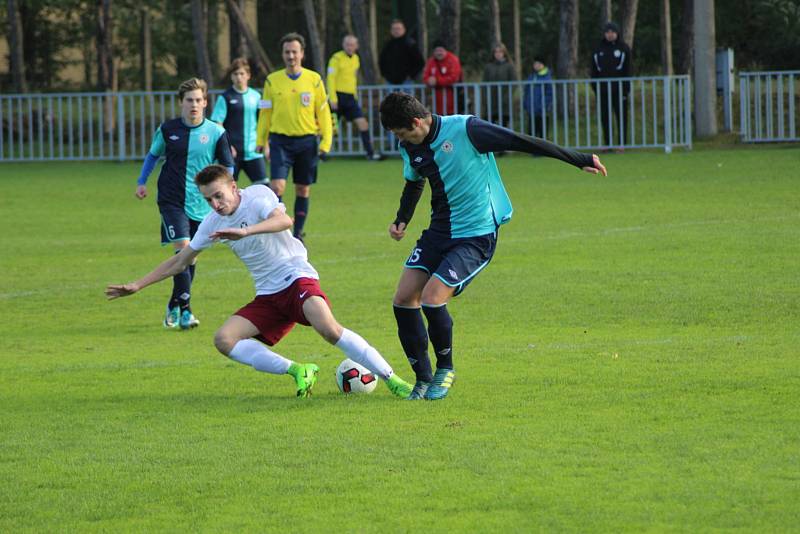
(442, 70)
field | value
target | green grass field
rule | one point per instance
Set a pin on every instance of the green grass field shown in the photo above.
(628, 362)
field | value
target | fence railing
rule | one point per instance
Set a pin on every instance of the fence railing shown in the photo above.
(769, 110)
(582, 114)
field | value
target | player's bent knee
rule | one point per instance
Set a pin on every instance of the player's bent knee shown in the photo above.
(224, 342)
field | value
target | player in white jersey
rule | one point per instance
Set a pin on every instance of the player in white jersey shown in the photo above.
(254, 224)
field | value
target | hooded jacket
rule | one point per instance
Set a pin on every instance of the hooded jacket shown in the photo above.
(612, 60)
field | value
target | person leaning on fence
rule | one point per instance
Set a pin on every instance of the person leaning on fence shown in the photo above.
(400, 60)
(343, 90)
(499, 69)
(189, 143)
(237, 111)
(612, 59)
(538, 99)
(442, 71)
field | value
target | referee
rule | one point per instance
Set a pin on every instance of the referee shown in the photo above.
(293, 111)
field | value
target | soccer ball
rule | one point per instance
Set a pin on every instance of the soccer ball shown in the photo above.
(354, 378)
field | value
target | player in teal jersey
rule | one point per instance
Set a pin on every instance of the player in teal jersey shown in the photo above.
(237, 111)
(189, 143)
(469, 203)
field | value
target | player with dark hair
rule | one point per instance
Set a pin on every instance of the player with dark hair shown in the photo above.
(237, 111)
(469, 203)
(189, 143)
(254, 224)
(294, 109)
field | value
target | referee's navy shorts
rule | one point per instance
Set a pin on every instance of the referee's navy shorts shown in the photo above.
(299, 154)
(454, 261)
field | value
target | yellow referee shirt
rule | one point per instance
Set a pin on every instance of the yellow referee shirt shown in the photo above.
(342, 74)
(294, 107)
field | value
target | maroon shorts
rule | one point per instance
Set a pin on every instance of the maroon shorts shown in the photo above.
(275, 315)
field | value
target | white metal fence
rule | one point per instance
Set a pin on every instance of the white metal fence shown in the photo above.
(768, 106)
(655, 110)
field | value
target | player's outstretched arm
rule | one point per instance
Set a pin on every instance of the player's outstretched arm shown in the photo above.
(277, 221)
(596, 167)
(170, 267)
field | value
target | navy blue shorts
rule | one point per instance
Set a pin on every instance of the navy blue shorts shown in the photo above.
(454, 261)
(176, 225)
(256, 169)
(298, 154)
(347, 107)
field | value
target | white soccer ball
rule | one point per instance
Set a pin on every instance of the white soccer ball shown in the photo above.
(354, 378)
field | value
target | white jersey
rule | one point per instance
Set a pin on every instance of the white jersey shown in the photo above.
(274, 260)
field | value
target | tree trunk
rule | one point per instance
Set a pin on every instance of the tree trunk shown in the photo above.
(422, 27)
(261, 57)
(568, 39)
(322, 27)
(238, 41)
(630, 7)
(686, 61)
(16, 48)
(317, 54)
(666, 38)
(373, 36)
(517, 41)
(361, 29)
(607, 13)
(146, 55)
(200, 31)
(105, 64)
(495, 31)
(705, 86)
(347, 18)
(450, 24)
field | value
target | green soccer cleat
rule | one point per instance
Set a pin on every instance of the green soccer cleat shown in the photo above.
(305, 377)
(420, 388)
(398, 386)
(442, 381)
(172, 318)
(188, 320)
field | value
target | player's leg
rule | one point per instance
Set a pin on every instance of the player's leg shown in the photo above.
(304, 174)
(411, 327)
(256, 170)
(604, 96)
(363, 132)
(280, 162)
(258, 319)
(319, 316)
(175, 230)
(462, 261)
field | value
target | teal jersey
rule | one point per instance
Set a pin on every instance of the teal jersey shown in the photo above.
(468, 197)
(238, 113)
(188, 150)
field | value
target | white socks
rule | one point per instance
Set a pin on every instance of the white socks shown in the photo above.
(259, 357)
(357, 349)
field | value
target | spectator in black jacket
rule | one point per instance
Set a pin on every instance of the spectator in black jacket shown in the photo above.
(400, 60)
(612, 59)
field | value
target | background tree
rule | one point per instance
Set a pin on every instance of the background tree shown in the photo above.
(666, 38)
(629, 10)
(450, 25)
(606, 13)
(200, 31)
(495, 31)
(705, 90)
(358, 11)
(422, 27)
(686, 61)
(317, 48)
(517, 40)
(568, 39)
(16, 47)
(146, 56)
(105, 55)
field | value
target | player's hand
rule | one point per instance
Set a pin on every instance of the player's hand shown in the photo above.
(324, 156)
(597, 167)
(231, 234)
(334, 106)
(115, 291)
(141, 191)
(397, 231)
(233, 151)
(263, 149)
(431, 81)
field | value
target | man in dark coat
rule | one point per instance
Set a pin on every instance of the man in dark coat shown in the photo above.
(400, 60)
(612, 59)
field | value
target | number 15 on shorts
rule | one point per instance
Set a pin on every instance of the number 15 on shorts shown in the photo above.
(414, 257)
